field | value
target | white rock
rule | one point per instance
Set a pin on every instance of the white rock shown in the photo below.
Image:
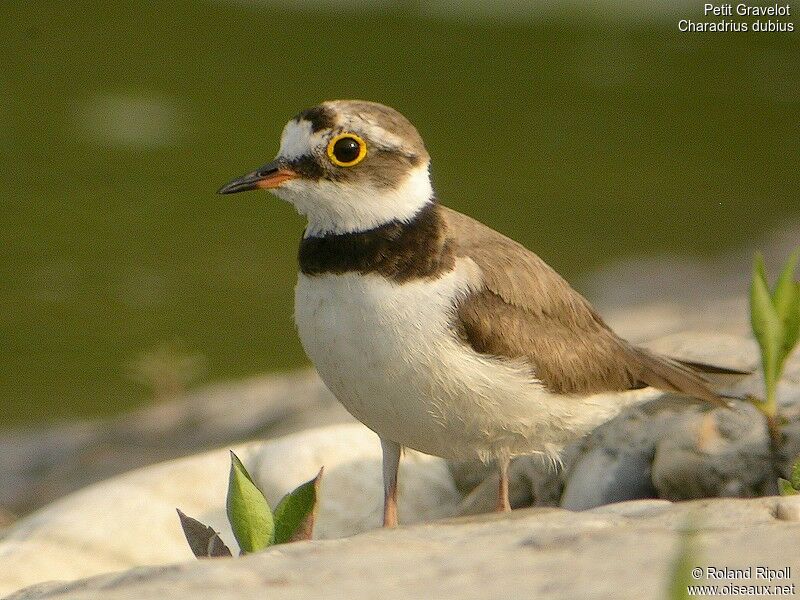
(546, 554)
(788, 508)
(634, 508)
(130, 520)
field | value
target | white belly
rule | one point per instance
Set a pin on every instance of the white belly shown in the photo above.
(389, 354)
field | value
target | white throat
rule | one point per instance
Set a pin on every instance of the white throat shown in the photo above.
(333, 207)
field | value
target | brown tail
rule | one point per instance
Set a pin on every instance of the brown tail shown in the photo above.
(684, 377)
(712, 369)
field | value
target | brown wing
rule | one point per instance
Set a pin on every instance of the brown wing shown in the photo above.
(526, 310)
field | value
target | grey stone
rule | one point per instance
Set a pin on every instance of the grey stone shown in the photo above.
(533, 553)
(602, 476)
(715, 453)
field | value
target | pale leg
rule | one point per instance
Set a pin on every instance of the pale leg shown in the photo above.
(391, 462)
(503, 505)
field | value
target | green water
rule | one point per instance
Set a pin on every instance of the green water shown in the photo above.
(586, 140)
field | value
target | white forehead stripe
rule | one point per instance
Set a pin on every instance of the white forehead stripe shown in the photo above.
(297, 139)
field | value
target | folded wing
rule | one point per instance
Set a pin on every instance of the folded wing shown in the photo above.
(525, 310)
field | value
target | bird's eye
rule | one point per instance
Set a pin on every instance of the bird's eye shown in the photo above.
(347, 150)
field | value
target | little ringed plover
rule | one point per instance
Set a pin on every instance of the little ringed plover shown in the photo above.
(435, 331)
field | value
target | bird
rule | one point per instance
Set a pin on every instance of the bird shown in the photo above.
(434, 330)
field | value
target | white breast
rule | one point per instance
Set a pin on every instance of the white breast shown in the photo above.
(389, 353)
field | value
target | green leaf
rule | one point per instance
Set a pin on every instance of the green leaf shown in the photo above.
(785, 488)
(248, 510)
(762, 311)
(795, 478)
(767, 327)
(791, 323)
(203, 540)
(295, 513)
(786, 299)
(783, 295)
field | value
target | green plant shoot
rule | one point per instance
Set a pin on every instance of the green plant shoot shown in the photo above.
(248, 511)
(681, 573)
(295, 513)
(254, 525)
(775, 319)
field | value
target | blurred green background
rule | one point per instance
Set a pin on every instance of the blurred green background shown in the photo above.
(588, 137)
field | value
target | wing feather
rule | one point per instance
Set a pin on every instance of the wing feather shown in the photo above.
(524, 309)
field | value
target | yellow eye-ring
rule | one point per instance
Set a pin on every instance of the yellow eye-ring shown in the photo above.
(347, 150)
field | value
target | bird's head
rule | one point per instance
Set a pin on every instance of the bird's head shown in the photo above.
(347, 165)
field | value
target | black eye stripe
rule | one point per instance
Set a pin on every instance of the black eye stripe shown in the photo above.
(307, 166)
